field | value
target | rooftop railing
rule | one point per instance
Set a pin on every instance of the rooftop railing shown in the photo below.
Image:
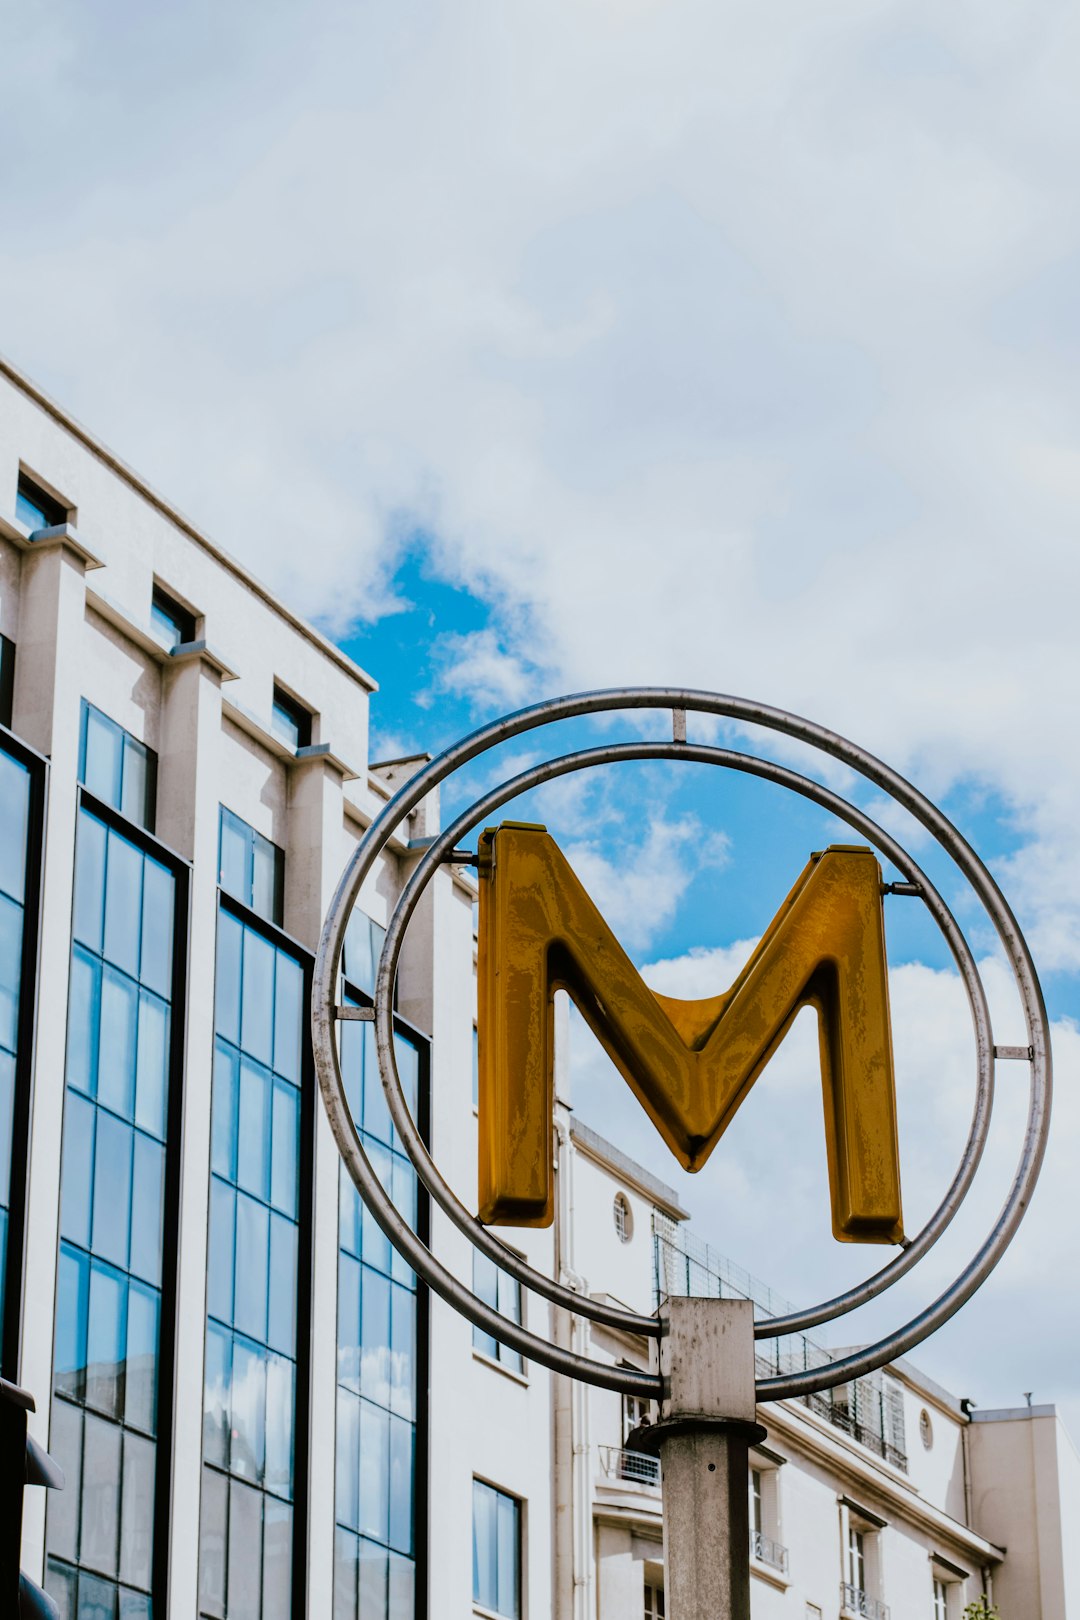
(870, 1409)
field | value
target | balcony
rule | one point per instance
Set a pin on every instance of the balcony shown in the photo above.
(853, 1600)
(768, 1552)
(630, 1467)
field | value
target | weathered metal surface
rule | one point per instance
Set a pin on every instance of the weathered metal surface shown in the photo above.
(690, 1064)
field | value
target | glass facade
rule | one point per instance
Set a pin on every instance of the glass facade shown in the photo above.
(257, 1173)
(251, 868)
(15, 788)
(100, 1529)
(116, 768)
(496, 1550)
(375, 1493)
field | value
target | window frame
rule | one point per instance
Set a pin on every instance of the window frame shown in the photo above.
(305, 1257)
(183, 620)
(655, 1607)
(296, 713)
(622, 1214)
(26, 1034)
(53, 508)
(247, 905)
(503, 1357)
(126, 737)
(7, 681)
(180, 868)
(520, 1505)
(350, 991)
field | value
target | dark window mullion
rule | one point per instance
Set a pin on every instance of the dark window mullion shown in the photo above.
(22, 1103)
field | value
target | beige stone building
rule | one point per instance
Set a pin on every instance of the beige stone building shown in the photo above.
(258, 1413)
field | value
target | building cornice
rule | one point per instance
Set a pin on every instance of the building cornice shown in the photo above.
(611, 1158)
(817, 1441)
(172, 513)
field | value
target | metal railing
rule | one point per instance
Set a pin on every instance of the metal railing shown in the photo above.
(632, 1467)
(870, 1409)
(768, 1552)
(853, 1600)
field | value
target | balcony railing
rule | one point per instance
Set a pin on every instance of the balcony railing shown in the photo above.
(633, 1467)
(853, 1600)
(768, 1552)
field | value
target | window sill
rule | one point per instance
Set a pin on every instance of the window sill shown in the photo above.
(489, 1614)
(515, 1377)
(769, 1574)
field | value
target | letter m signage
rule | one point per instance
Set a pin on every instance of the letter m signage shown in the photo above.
(689, 1063)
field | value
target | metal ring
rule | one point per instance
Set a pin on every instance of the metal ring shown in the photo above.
(749, 765)
(327, 967)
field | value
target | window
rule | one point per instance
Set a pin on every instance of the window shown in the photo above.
(756, 1521)
(765, 1517)
(856, 1559)
(496, 1551)
(251, 868)
(475, 1067)
(635, 1409)
(15, 801)
(363, 947)
(7, 680)
(172, 624)
(36, 508)
(290, 722)
(941, 1600)
(624, 1219)
(249, 1412)
(654, 1602)
(100, 1533)
(503, 1293)
(376, 1486)
(116, 768)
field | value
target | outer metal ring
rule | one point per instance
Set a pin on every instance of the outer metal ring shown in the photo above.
(748, 764)
(326, 978)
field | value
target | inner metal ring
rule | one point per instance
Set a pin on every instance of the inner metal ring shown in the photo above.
(750, 765)
(874, 770)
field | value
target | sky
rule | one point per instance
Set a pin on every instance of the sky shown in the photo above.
(534, 348)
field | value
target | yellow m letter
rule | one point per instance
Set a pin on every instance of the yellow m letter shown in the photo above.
(689, 1063)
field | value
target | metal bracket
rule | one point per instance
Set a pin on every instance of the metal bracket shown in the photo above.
(1022, 1054)
(678, 725)
(355, 1015)
(901, 888)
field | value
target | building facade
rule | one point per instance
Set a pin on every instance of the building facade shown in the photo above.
(258, 1411)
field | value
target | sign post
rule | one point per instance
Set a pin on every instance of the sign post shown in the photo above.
(819, 950)
(706, 1427)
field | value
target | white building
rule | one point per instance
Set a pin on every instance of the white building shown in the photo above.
(258, 1413)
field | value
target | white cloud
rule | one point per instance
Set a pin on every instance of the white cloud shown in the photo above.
(721, 345)
(732, 346)
(475, 666)
(639, 892)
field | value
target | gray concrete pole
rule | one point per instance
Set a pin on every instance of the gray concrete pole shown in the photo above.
(706, 1426)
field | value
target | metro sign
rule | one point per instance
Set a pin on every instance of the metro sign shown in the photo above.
(691, 1064)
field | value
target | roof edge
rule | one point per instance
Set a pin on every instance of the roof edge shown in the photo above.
(612, 1158)
(71, 425)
